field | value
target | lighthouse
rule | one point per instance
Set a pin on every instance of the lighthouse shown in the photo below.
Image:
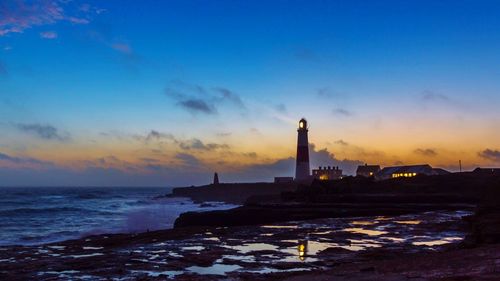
(302, 166)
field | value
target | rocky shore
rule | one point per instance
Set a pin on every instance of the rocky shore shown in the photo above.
(363, 248)
(434, 228)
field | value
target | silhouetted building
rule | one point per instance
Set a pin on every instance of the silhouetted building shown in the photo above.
(327, 173)
(302, 169)
(216, 179)
(408, 172)
(487, 171)
(367, 170)
(283, 179)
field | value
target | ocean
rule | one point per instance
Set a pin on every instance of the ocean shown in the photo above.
(36, 215)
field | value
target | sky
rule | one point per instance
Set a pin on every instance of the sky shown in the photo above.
(165, 93)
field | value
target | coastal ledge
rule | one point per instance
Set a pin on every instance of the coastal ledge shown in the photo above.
(232, 193)
(273, 213)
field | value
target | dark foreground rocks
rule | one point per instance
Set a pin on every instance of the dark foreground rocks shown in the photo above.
(255, 214)
(422, 246)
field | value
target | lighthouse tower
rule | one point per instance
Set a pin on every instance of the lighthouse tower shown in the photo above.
(302, 168)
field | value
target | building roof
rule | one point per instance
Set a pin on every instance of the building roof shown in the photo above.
(439, 171)
(492, 170)
(419, 169)
(368, 169)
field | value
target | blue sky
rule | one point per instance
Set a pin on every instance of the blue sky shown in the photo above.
(387, 82)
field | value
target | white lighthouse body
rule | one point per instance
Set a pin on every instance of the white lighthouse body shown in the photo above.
(302, 169)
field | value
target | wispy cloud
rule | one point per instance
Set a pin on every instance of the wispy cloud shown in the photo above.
(122, 48)
(490, 154)
(47, 132)
(198, 105)
(428, 95)
(341, 142)
(21, 160)
(196, 144)
(342, 112)
(230, 96)
(188, 160)
(426, 152)
(48, 34)
(281, 108)
(323, 157)
(19, 15)
(223, 134)
(196, 99)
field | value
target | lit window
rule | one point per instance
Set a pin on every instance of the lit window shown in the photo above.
(414, 174)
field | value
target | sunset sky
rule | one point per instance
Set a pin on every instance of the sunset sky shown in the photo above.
(165, 93)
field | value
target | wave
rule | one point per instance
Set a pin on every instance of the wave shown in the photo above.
(38, 211)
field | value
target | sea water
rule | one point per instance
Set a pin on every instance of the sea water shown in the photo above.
(35, 215)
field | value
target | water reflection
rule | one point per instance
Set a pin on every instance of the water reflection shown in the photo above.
(369, 232)
(413, 222)
(302, 249)
(303, 245)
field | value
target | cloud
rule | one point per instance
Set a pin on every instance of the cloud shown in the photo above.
(280, 108)
(198, 105)
(188, 160)
(122, 48)
(48, 34)
(196, 99)
(329, 93)
(490, 154)
(341, 142)
(78, 20)
(151, 136)
(196, 144)
(19, 15)
(47, 132)
(426, 152)
(223, 134)
(228, 95)
(323, 157)
(342, 112)
(432, 96)
(262, 171)
(21, 160)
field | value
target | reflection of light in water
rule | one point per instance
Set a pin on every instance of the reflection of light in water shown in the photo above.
(248, 258)
(265, 270)
(363, 222)
(394, 239)
(212, 239)
(302, 249)
(323, 232)
(280, 226)
(408, 222)
(431, 243)
(193, 248)
(216, 269)
(251, 247)
(365, 231)
(312, 248)
(169, 274)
